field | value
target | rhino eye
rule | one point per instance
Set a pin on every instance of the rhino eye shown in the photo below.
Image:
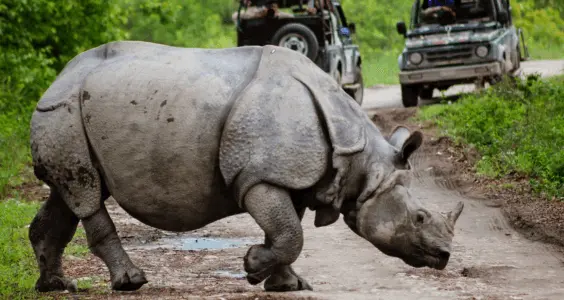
(420, 217)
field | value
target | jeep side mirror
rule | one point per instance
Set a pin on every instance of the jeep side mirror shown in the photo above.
(503, 17)
(352, 27)
(400, 27)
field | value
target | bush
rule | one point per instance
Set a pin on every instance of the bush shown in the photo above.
(517, 127)
(37, 38)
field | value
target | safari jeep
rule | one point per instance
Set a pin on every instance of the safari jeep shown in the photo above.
(474, 41)
(324, 36)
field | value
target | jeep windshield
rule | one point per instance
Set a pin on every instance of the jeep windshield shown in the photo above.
(461, 15)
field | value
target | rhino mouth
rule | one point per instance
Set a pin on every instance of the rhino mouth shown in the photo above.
(438, 260)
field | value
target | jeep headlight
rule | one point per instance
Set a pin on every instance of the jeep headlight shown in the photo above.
(482, 51)
(415, 58)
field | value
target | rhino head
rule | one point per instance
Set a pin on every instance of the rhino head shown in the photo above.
(394, 221)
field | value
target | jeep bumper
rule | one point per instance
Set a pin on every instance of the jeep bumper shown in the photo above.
(450, 73)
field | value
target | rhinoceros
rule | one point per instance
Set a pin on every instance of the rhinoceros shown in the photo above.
(182, 137)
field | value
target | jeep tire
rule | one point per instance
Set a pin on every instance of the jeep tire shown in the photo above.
(357, 94)
(410, 94)
(297, 37)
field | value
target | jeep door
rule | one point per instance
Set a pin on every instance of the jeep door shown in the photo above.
(335, 49)
(351, 51)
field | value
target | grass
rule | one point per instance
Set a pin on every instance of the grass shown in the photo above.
(18, 268)
(14, 150)
(380, 69)
(538, 52)
(517, 128)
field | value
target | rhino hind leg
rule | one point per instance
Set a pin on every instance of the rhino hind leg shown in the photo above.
(49, 233)
(283, 277)
(56, 223)
(104, 242)
(272, 208)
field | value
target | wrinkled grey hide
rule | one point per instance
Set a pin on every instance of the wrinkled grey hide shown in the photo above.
(184, 137)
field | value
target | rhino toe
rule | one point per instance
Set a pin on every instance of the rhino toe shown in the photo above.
(55, 283)
(284, 279)
(131, 280)
(259, 262)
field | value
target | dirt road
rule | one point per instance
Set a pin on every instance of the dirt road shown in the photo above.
(489, 261)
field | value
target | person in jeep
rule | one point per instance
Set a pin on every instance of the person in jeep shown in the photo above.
(441, 11)
(445, 12)
(260, 11)
(269, 6)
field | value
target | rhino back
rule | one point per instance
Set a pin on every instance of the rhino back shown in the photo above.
(154, 116)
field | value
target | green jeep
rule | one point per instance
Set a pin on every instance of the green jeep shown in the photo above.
(470, 41)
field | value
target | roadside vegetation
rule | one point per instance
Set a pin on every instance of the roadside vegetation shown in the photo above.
(517, 127)
(17, 264)
(38, 37)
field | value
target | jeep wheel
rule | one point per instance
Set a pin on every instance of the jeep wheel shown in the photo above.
(410, 95)
(298, 38)
(358, 93)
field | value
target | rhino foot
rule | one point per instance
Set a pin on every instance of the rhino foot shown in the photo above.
(55, 283)
(131, 280)
(272, 208)
(259, 264)
(285, 279)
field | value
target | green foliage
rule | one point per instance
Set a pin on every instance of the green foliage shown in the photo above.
(18, 268)
(376, 24)
(519, 130)
(543, 24)
(183, 23)
(40, 36)
(37, 38)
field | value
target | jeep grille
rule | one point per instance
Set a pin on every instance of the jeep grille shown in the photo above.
(450, 56)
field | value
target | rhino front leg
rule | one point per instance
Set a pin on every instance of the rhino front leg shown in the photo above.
(273, 210)
(284, 278)
(104, 243)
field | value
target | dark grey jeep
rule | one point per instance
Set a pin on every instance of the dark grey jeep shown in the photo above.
(471, 41)
(324, 36)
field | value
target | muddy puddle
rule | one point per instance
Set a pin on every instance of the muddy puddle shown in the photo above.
(208, 243)
(195, 243)
(229, 274)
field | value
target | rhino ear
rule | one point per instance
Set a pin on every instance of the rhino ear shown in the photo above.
(399, 136)
(453, 215)
(406, 142)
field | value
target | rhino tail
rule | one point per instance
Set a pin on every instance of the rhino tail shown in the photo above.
(60, 148)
